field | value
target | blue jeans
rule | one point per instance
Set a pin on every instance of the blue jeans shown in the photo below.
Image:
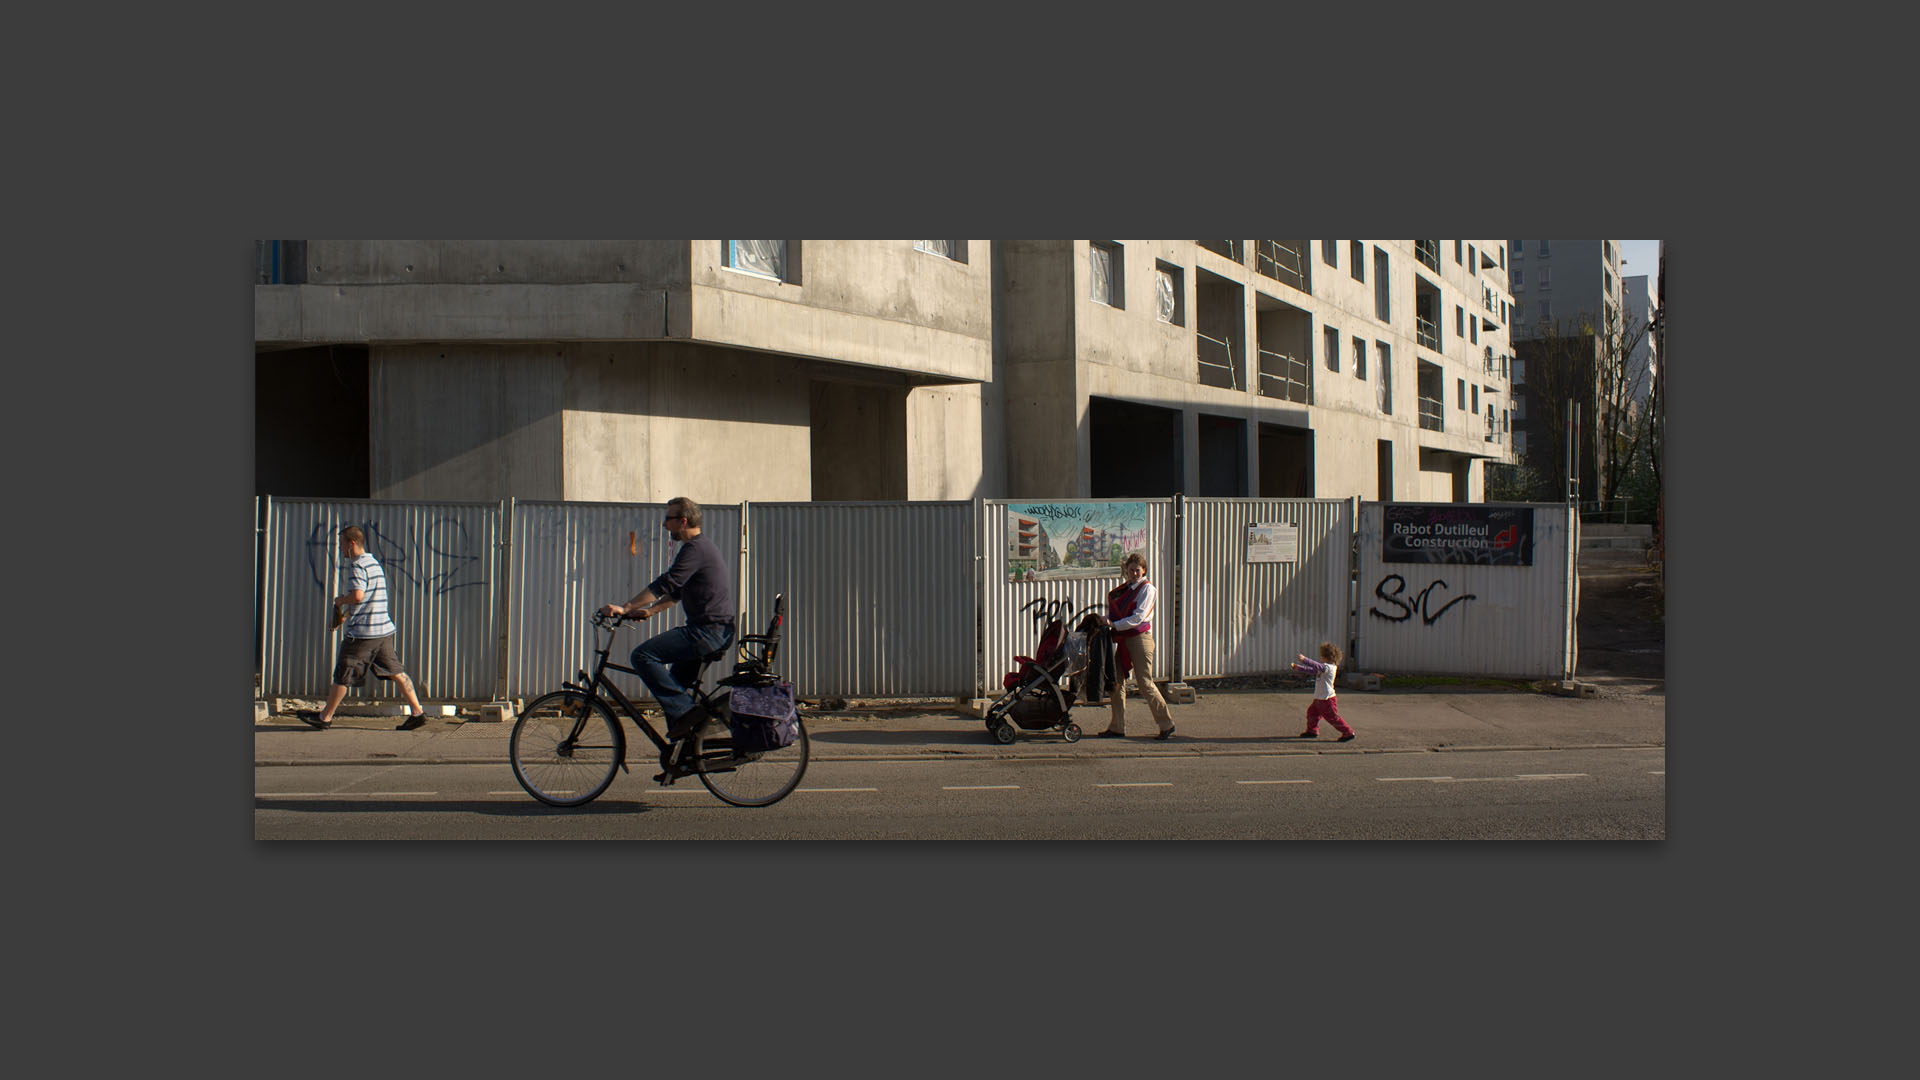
(668, 662)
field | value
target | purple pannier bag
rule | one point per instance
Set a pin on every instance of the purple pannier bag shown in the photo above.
(763, 718)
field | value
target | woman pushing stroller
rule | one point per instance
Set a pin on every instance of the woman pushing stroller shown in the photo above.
(1130, 613)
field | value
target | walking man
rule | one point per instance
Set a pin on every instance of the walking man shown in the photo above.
(368, 643)
(698, 580)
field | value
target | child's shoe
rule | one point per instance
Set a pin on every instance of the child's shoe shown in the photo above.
(1308, 735)
(1348, 737)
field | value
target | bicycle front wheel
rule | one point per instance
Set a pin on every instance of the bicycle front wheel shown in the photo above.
(749, 779)
(565, 748)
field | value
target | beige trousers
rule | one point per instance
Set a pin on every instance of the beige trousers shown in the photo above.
(1140, 648)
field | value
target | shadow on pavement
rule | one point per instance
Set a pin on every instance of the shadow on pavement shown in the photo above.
(529, 808)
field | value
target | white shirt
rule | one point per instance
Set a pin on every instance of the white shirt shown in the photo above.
(1142, 610)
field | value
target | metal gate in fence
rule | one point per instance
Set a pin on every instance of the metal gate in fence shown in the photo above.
(1015, 612)
(1247, 607)
(1465, 617)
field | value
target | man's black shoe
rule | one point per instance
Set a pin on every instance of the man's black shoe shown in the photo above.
(687, 724)
(412, 722)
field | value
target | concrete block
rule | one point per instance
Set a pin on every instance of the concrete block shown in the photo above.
(1372, 682)
(494, 712)
(977, 707)
(1179, 693)
(260, 711)
(1575, 688)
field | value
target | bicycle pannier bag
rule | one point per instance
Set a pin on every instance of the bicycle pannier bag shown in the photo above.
(763, 718)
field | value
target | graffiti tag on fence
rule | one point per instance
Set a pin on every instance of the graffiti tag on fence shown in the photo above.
(444, 543)
(1422, 601)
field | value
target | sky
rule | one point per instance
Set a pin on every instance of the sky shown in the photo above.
(1642, 258)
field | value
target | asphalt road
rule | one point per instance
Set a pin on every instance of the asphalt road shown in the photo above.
(1493, 794)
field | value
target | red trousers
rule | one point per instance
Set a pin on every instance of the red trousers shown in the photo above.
(1326, 709)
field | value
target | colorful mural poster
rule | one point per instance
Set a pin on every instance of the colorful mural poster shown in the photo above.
(1050, 541)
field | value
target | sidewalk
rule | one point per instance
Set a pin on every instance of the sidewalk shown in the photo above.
(1626, 712)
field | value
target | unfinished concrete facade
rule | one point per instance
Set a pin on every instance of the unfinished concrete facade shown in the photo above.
(821, 370)
(1271, 368)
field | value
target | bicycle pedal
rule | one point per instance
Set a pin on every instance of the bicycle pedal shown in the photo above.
(665, 779)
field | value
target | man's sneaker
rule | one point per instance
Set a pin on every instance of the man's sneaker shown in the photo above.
(412, 722)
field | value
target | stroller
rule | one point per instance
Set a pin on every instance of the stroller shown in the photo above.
(1042, 690)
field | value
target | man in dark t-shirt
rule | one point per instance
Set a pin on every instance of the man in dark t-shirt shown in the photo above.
(700, 582)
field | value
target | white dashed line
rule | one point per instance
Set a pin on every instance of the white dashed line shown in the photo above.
(828, 789)
(1656, 772)
(1391, 779)
(981, 787)
(1551, 776)
(1273, 781)
(1155, 783)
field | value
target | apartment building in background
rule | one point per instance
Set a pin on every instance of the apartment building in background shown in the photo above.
(826, 370)
(1557, 285)
(1637, 298)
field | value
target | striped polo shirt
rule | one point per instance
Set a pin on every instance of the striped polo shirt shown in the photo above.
(370, 619)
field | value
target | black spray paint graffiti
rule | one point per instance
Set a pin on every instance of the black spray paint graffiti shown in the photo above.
(1043, 611)
(1422, 600)
(444, 543)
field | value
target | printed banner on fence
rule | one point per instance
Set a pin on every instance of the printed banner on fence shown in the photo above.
(1475, 535)
(1046, 541)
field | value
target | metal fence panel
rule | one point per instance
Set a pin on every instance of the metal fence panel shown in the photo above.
(567, 559)
(1013, 613)
(1250, 618)
(1464, 619)
(441, 563)
(880, 595)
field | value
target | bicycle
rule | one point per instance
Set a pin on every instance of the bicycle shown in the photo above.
(567, 745)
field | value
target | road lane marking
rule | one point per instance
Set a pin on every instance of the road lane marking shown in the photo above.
(1656, 772)
(826, 789)
(981, 787)
(387, 794)
(1551, 776)
(1390, 779)
(1273, 781)
(1153, 783)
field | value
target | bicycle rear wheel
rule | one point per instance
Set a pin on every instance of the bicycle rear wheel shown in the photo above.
(565, 748)
(749, 779)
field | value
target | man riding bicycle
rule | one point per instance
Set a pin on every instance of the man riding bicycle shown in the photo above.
(699, 580)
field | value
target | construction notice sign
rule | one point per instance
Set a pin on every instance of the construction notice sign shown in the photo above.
(1472, 535)
(1273, 543)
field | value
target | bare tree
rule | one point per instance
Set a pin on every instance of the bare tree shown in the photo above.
(1586, 360)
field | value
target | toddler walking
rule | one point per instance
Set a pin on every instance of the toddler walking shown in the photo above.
(1324, 706)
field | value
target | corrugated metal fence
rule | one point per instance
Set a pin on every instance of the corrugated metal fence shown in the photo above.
(1015, 612)
(569, 558)
(1240, 617)
(1467, 619)
(441, 561)
(893, 599)
(880, 596)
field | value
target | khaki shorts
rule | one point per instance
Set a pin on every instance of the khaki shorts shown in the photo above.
(359, 654)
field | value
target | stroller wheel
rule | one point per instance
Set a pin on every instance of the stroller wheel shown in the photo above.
(1003, 732)
(1071, 732)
